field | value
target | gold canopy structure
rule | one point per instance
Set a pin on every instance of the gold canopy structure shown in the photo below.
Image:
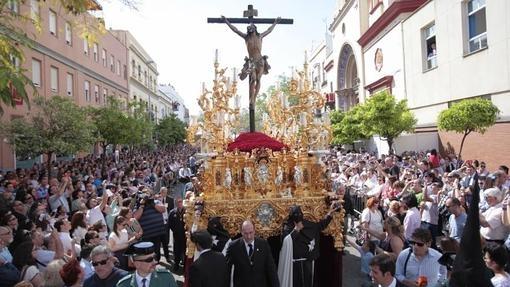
(262, 184)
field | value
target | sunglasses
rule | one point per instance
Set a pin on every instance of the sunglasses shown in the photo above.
(421, 244)
(102, 262)
(147, 260)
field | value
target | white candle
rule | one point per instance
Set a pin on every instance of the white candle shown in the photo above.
(234, 74)
(203, 87)
(306, 57)
(302, 118)
(216, 56)
(237, 101)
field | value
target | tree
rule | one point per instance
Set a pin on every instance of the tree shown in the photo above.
(140, 126)
(347, 127)
(467, 116)
(384, 116)
(13, 81)
(170, 130)
(111, 123)
(59, 127)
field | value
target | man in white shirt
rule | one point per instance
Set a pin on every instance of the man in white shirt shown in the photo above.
(63, 226)
(412, 221)
(382, 270)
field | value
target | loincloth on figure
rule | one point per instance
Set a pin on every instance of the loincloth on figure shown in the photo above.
(251, 66)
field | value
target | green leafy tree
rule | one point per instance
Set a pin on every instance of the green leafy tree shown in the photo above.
(111, 123)
(170, 130)
(467, 116)
(385, 116)
(14, 84)
(59, 127)
(336, 116)
(141, 127)
(347, 128)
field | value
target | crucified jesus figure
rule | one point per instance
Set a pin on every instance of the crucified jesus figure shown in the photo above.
(255, 65)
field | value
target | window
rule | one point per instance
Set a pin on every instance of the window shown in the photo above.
(85, 47)
(54, 79)
(96, 93)
(118, 68)
(112, 63)
(36, 72)
(125, 72)
(145, 78)
(69, 84)
(105, 93)
(87, 91)
(96, 56)
(34, 10)
(69, 34)
(14, 6)
(374, 4)
(477, 25)
(429, 36)
(14, 61)
(133, 68)
(103, 57)
(139, 73)
(53, 23)
(150, 82)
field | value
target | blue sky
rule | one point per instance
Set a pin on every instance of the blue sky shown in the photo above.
(176, 35)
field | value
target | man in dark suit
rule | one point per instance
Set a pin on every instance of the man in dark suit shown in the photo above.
(252, 260)
(210, 269)
(176, 223)
(168, 202)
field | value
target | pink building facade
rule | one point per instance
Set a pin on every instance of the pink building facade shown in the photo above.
(63, 63)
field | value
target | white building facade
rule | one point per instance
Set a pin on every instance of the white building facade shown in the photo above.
(142, 75)
(176, 106)
(432, 53)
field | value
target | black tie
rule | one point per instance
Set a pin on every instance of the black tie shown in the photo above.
(143, 282)
(250, 250)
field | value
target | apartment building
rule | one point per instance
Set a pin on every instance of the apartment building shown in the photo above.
(62, 63)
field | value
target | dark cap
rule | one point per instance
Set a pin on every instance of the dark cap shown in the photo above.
(140, 249)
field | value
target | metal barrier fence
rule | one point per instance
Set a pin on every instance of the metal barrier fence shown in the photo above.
(358, 200)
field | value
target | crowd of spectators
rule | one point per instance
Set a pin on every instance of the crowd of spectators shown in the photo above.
(71, 224)
(413, 208)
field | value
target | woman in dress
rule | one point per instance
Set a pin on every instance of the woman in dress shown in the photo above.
(78, 226)
(371, 218)
(24, 260)
(119, 240)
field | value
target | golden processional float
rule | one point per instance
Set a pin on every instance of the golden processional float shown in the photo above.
(261, 184)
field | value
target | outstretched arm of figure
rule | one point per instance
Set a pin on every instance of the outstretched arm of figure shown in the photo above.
(270, 29)
(233, 28)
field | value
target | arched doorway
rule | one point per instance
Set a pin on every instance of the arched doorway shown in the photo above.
(348, 80)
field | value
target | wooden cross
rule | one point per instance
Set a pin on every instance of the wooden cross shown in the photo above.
(249, 18)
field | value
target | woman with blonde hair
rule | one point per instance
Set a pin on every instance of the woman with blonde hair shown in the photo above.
(52, 274)
(392, 241)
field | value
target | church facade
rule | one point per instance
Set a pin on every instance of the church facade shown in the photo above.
(430, 52)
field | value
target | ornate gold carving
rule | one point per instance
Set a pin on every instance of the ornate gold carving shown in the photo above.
(262, 185)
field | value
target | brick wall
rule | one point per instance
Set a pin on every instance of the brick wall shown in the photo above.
(493, 147)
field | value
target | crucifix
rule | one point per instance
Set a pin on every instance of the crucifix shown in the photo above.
(255, 65)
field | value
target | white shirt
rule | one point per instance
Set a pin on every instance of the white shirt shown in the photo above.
(496, 229)
(392, 284)
(94, 215)
(139, 279)
(411, 222)
(374, 220)
(248, 248)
